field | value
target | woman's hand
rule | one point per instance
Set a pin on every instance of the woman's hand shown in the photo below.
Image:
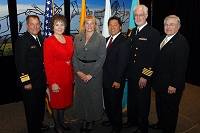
(88, 77)
(55, 88)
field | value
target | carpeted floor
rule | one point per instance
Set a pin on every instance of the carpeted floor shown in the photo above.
(12, 118)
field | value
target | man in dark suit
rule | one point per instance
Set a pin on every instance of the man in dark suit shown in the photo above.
(169, 75)
(32, 80)
(144, 50)
(114, 70)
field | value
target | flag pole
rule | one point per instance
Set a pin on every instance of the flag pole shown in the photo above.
(53, 7)
(83, 14)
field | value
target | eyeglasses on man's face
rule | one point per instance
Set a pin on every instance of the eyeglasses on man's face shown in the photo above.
(170, 25)
(139, 15)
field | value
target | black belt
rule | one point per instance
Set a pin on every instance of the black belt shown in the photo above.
(87, 61)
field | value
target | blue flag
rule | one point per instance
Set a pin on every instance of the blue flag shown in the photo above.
(130, 27)
(131, 23)
(48, 15)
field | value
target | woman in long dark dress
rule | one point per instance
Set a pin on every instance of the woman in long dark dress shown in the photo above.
(89, 56)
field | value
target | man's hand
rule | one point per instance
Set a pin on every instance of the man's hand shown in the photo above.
(142, 82)
(116, 85)
(171, 90)
(28, 87)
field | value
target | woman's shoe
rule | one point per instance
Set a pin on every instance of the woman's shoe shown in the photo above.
(83, 126)
(90, 127)
(65, 127)
(57, 130)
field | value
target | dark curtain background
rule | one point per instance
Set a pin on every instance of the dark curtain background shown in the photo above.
(189, 13)
(187, 10)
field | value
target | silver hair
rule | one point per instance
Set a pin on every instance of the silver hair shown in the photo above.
(141, 7)
(178, 21)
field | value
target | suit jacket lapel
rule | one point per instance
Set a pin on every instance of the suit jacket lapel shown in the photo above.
(92, 39)
(170, 41)
(114, 42)
(33, 41)
(142, 32)
(82, 41)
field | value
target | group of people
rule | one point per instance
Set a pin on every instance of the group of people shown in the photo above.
(99, 66)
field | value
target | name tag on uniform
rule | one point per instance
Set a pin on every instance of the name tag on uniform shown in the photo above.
(33, 46)
(143, 39)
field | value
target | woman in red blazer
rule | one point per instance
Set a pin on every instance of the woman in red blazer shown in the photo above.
(58, 51)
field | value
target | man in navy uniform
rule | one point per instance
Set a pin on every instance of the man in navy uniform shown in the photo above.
(32, 80)
(144, 51)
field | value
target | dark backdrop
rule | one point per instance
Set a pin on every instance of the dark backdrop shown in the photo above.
(189, 13)
(187, 10)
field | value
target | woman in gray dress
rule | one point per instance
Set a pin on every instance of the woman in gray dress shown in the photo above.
(89, 56)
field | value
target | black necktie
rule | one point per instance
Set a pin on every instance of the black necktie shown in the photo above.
(37, 39)
(137, 31)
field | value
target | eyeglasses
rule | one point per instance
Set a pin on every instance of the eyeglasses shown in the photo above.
(170, 25)
(139, 15)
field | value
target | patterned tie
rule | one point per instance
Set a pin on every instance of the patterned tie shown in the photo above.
(110, 42)
(164, 42)
(37, 39)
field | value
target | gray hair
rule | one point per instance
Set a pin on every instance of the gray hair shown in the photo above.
(178, 21)
(141, 7)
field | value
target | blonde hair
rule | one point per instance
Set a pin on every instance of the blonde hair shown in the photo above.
(90, 18)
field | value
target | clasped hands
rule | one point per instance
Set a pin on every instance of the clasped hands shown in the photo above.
(85, 77)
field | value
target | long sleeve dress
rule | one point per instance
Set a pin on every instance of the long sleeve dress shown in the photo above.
(59, 69)
(89, 58)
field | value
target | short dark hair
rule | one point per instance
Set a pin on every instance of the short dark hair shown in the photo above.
(57, 17)
(115, 18)
(31, 16)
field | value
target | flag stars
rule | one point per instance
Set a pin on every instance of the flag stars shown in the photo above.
(48, 2)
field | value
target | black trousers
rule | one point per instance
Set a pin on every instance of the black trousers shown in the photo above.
(167, 110)
(138, 105)
(34, 105)
(113, 105)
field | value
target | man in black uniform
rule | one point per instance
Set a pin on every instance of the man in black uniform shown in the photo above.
(32, 80)
(144, 50)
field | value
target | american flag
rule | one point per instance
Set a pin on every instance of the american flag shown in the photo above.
(47, 33)
(48, 15)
